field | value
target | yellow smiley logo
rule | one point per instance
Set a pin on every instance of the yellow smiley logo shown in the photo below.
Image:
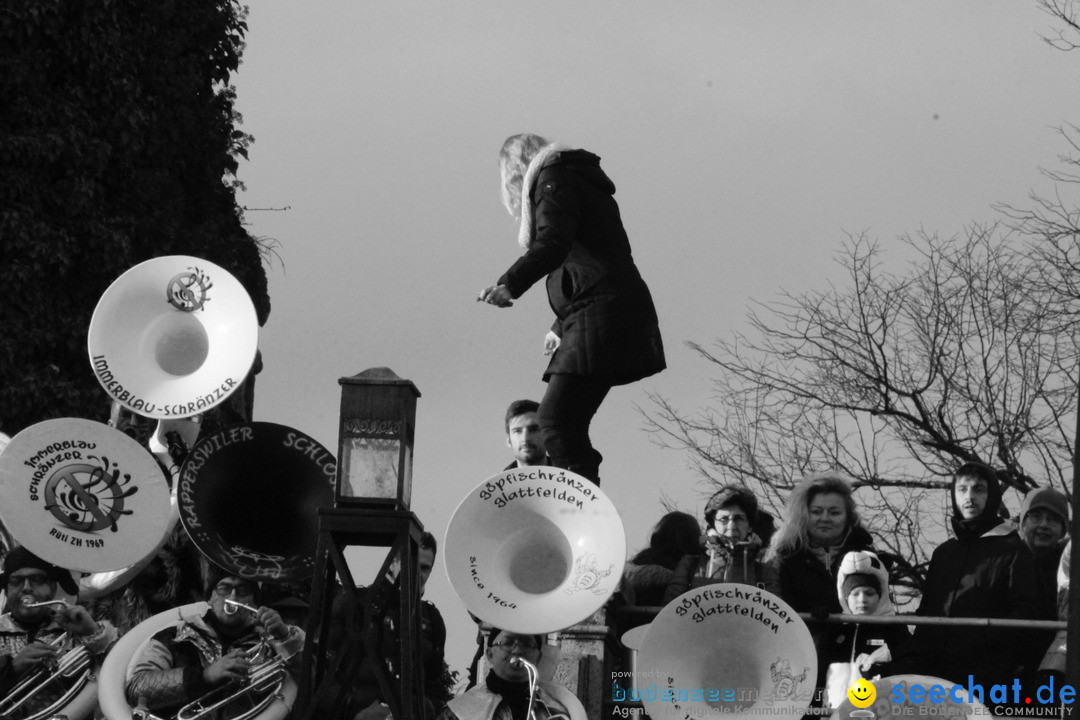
(861, 693)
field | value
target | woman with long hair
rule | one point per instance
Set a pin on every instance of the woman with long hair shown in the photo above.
(820, 526)
(606, 332)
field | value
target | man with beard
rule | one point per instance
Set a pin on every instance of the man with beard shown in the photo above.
(27, 633)
(523, 434)
(182, 663)
(985, 571)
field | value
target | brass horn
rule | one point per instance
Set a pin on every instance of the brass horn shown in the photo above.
(173, 337)
(273, 700)
(534, 550)
(248, 499)
(69, 675)
(257, 691)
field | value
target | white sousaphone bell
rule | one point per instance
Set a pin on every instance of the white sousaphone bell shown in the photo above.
(726, 648)
(173, 337)
(82, 496)
(535, 549)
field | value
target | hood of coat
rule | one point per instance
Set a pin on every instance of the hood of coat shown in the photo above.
(586, 165)
(582, 162)
(865, 562)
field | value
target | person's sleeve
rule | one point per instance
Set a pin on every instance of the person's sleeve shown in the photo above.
(1025, 601)
(437, 679)
(447, 714)
(7, 675)
(100, 642)
(681, 578)
(786, 588)
(557, 213)
(157, 681)
(292, 649)
(769, 578)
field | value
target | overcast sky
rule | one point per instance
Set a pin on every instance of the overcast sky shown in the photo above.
(745, 139)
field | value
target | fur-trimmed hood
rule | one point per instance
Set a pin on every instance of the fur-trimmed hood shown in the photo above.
(864, 562)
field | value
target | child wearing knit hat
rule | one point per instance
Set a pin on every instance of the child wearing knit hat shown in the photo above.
(866, 651)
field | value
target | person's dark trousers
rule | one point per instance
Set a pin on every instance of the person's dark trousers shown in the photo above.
(565, 413)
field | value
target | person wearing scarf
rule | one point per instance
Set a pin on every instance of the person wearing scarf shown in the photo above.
(504, 694)
(606, 331)
(985, 571)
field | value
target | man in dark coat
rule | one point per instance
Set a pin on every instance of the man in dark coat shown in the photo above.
(606, 331)
(985, 572)
(356, 694)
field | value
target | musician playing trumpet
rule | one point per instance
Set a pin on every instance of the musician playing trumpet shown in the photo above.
(181, 664)
(34, 622)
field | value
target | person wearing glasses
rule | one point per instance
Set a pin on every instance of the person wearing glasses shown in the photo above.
(28, 634)
(182, 663)
(504, 693)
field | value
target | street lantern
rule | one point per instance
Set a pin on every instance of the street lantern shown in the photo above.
(375, 440)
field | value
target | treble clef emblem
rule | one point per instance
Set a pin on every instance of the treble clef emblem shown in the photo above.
(187, 290)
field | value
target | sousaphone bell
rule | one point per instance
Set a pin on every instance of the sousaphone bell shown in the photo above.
(724, 649)
(535, 549)
(173, 337)
(82, 496)
(249, 498)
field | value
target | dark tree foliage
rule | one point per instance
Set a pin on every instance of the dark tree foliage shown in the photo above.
(119, 142)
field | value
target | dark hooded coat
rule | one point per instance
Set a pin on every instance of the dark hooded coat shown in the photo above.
(604, 312)
(985, 571)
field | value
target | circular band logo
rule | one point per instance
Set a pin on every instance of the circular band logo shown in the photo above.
(87, 497)
(187, 290)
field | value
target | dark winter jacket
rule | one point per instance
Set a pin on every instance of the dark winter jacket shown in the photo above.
(985, 571)
(991, 575)
(604, 312)
(808, 576)
(357, 684)
(808, 584)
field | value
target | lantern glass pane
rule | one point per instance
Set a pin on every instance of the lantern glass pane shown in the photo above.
(371, 468)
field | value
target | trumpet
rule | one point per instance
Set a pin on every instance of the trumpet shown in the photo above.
(261, 687)
(74, 667)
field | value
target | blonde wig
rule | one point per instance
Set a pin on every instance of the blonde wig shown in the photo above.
(792, 535)
(514, 158)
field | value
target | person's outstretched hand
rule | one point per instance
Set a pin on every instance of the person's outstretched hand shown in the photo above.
(497, 295)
